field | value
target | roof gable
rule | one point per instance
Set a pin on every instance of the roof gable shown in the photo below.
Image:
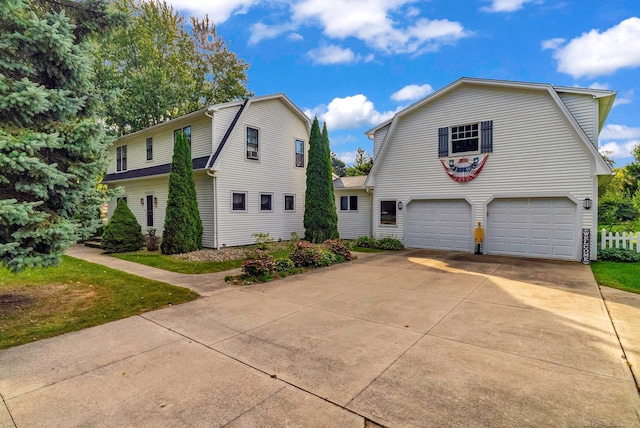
(606, 96)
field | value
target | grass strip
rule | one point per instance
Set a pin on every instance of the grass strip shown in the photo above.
(623, 276)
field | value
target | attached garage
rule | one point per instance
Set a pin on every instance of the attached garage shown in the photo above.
(440, 225)
(532, 227)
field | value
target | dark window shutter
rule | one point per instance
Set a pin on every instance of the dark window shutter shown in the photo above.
(443, 142)
(486, 145)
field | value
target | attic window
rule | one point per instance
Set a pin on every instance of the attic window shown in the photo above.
(465, 138)
(252, 143)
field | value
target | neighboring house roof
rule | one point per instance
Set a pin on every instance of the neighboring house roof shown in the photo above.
(356, 182)
(605, 102)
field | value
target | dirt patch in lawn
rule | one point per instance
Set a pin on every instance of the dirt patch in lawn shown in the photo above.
(12, 303)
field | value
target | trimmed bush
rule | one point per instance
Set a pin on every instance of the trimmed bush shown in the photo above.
(338, 247)
(619, 255)
(258, 264)
(389, 244)
(365, 242)
(284, 265)
(305, 254)
(151, 239)
(327, 258)
(123, 233)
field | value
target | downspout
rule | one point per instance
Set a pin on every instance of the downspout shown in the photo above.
(370, 192)
(211, 173)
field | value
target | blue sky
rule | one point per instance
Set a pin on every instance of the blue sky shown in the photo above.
(354, 63)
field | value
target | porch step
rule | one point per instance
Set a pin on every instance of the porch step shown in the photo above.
(95, 242)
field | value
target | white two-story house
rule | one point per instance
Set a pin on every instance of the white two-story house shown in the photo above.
(520, 158)
(249, 161)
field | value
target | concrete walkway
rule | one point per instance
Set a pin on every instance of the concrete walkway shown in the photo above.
(415, 338)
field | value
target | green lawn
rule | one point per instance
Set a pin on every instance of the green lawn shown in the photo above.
(161, 261)
(40, 303)
(624, 276)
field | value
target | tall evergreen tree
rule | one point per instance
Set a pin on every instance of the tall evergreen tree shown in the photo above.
(362, 165)
(182, 223)
(52, 145)
(320, 217)
(338, 165)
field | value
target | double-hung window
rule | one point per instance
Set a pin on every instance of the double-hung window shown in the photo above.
(266, 202)
(349, 203)
(239, 201)
(300, 153)
(187, 132)
(149, 148)
(289, 202)
(468, 139)
(252, 143)
(388, 212)
(121, 158)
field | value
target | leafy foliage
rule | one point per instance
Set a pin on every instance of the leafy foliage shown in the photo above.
(387, 243)
(258, 264)
(362, 164)
(182, 224)
(151, 240)
(619, 255)
(338, 247)
(284, 265)
(263, 240)
(123, 232)
(52, 144)
(305, 254)
(338, 166)
(365, 242)
(320, 216)
(161, 67)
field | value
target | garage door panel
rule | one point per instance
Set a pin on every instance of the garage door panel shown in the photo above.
(442, 225)
(533, 227)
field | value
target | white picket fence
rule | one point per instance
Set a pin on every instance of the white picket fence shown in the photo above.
(630, 241)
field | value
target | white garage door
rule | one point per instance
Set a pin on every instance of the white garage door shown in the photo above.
(441, 225)
(533, 227)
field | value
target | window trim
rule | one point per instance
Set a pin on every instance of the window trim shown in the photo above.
(246, 143)
(284, 205)
(295, 149)
(260, 195)
(395, 209)
(149, 147)
(121, 158)
(469, 152)
(183, 129)
(246, 200)
(349, 199)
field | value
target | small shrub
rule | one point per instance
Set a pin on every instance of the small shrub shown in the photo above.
(305, 254)
(284, 265)
(338, 247)
(123, 232)
(258, 264)
(263, 241)
(151, 239)
(365, 242)
(619, 255)
(389, 244)
(327, 258)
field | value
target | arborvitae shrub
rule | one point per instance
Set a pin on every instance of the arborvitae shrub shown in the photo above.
(123, 232)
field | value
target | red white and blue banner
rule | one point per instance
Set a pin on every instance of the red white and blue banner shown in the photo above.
(465, 169)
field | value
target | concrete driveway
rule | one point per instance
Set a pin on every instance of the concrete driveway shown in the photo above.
(415, 338)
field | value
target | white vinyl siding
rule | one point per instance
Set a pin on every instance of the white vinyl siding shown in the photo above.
(535, 152)
(159, 188)
(532, 227)
(441, 225)
(352, 224)
(162, 143)
(584, 109)
(279, 126)
(378, 139)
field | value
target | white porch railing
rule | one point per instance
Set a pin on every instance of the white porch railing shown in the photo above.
(629, 241)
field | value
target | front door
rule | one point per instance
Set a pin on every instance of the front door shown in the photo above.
(149, 210)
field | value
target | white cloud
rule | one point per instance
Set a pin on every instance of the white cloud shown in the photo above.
(505, 5)
(619, 151)
(349, 113)
(219, 10)
(625, 98)
(553, 43)
(295, 37)
(260, 31)
(370, 22)
(412, 92)
(598, 85)
(619, 132)
(331, 54)
(596, 54)
(347, 157)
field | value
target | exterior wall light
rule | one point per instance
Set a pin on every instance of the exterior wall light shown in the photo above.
(400, 205)
(587, 204)
(155, 201)
(141, 201)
